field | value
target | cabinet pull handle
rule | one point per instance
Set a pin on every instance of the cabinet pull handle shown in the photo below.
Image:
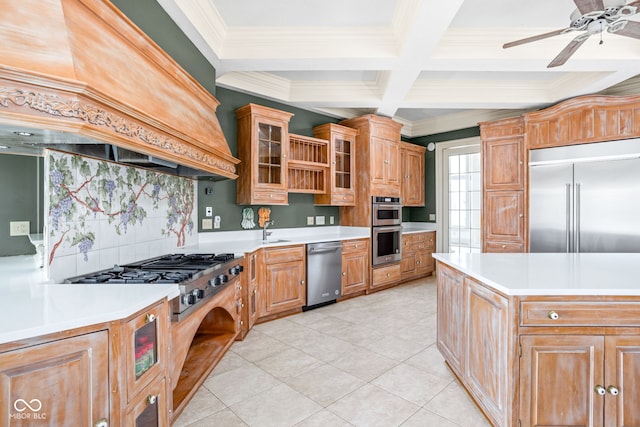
(102, 422)
(600, 390)
(151, 399)
(553, 315)
(344, 273)
(151, 317)
(613, 390)
(302, 282)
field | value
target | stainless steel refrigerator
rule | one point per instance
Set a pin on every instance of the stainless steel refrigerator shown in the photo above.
(585, 198)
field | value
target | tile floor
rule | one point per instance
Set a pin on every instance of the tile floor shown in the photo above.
(368, 361)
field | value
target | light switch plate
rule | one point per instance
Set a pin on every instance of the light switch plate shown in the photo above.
(309, 220)
(331, 220)
(319, 219)
(432, 217)
(207, 223)
(216, 221)
(208, 211)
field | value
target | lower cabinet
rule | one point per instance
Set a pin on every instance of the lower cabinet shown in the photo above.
(355, 266)
(417, 260)
(385, 276)
(251, 277)
(284, 287)
(58, 383)
(149, 408)
(580, 380)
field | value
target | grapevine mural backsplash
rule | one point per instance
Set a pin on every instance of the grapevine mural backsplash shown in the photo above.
(100, 214)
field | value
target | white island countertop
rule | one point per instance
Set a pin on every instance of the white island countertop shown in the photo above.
(551, 273)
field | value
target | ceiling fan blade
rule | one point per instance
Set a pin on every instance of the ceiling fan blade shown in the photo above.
(587, 6)
(569, 50)
(536, 38)
(630, 29)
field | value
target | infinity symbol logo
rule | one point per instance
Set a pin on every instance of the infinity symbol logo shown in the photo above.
(37, 405)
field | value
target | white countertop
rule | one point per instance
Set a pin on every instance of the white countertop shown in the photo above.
(550, 273)
(31, 305)
(417, 227)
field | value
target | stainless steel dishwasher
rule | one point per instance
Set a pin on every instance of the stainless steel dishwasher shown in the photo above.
(324, 273)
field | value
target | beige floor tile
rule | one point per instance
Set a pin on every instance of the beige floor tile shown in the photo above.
(326, 348)
(396, 348)
(431, 361)
(454, 404)
(325, 384)
(224, 418)
(372, 406)
(324, 418)
(203, 404)
(229, 362)
(257, 346)
(240, 384)
(363, 363)
(288, 363)
(329, 324)
(359, 335)
(280, 406)
(411, 384)
(424, 418)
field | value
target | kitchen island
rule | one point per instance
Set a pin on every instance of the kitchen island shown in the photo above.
(543, 339)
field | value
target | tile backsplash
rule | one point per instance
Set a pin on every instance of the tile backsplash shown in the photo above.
(100, 213)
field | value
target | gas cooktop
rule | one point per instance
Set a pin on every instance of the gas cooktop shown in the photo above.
(173, 268)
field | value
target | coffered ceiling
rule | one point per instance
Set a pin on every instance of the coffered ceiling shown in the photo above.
(433, 66)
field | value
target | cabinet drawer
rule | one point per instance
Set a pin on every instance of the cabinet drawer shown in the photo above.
(286, 254)
(385, 275)
(430, 241)
(347, 199)
(270, 197)
(503, 247)
(349, 246)
(580, 313)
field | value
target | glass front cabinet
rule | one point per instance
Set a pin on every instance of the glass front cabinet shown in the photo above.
(263, 141)
(146, 352)
(341, 176)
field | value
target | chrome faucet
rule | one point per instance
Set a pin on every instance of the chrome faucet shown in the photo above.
(266, 233)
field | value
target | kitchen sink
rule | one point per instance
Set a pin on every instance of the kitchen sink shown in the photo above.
(275, 241)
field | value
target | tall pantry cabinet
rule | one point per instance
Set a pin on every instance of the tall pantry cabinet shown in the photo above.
(504, 205)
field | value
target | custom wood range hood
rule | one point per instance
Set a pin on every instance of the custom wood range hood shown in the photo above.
(83, 68)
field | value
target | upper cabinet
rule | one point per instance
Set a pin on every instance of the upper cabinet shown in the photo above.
(263, 143)
(340, 181)
(412, 161)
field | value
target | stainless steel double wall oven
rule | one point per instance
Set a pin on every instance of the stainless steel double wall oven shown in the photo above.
(386, 230)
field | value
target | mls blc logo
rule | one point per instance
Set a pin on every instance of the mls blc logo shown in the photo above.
(28, 410)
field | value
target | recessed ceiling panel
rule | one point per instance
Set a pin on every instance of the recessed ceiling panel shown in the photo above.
(514, 13)
(328, 75)
(488, 76)
(306, 13)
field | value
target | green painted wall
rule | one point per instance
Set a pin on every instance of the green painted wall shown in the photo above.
(19, 194)
(422, 214)
(223, 198)
(151, 18)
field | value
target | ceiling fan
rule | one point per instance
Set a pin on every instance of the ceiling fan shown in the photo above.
(591, 17)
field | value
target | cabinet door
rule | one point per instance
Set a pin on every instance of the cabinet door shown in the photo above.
(355, 272)
(504, 217)
(379, 160)
(486, 371)
(61, 383)
(252, 291)
(412, 177)
(451, 315)
(149, 408)
(504, 167)
(393, 176)
(558, 377)
(285, 286)
(622, 373)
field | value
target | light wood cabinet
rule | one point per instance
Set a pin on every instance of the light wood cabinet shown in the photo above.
(340, 181)
(308, 164)
(263, 146)
(541, 360)
(377, 166)
(504, 209)
(285, 274)
(412, 161)
(252, 274)
(62, 383)
(417, 255)
(149, 408)
(355, 266)
(385, 276)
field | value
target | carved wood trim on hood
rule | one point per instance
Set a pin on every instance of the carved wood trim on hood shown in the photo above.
(81, 66)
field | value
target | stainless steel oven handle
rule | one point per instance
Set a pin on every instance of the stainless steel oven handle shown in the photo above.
(385, 229)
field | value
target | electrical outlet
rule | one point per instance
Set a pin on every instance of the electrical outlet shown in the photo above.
(19, 228)
(208, 211)
(432, 217)
(319, 219)
(309, 220)
(331, 220)
(216, 221)
(207, 223)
